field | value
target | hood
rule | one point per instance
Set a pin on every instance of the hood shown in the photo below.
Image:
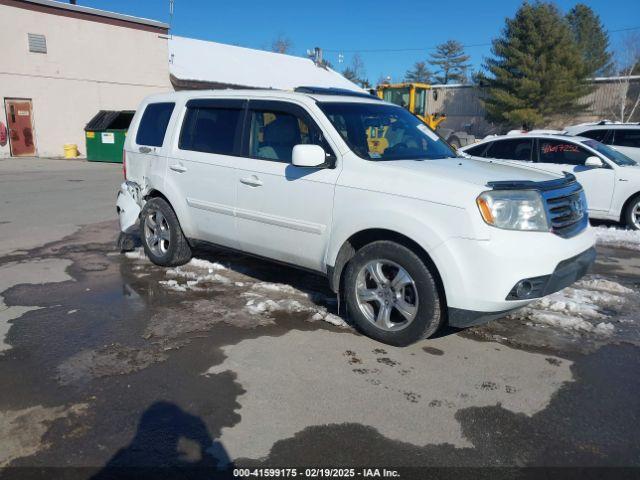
(474, 170)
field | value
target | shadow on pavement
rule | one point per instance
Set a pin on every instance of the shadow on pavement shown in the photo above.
(169, 443)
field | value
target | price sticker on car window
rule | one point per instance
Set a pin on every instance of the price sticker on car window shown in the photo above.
(428, 132)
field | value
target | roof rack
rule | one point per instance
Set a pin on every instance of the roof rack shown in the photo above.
(333, 91)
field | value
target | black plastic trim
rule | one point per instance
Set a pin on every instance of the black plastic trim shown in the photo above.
(567, 180)
(566, 273)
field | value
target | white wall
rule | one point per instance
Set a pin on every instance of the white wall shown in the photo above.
(88, 66)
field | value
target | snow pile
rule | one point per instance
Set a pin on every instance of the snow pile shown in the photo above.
(137, 254)
(615, 237)
(263, 298)
(582, 308)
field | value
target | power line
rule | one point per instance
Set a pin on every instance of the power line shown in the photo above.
(413, 49)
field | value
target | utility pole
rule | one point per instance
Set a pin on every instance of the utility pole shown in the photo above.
(316, 56)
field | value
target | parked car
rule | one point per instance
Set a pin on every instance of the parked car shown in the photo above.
(611, 180)
(412, 238)
(624, 137)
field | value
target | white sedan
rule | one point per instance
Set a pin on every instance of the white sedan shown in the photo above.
(611, 180)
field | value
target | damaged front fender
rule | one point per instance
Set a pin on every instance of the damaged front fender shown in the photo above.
(129, 206)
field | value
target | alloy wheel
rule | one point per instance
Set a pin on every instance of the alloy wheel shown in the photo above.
(386, 295)
(157, 233)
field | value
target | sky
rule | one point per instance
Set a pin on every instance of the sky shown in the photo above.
(389, 36)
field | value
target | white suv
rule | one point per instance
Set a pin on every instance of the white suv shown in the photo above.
(411, 238)
(611, 180)
(624, 137)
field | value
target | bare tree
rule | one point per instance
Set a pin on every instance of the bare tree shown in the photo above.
(282, 44)
(627, 61)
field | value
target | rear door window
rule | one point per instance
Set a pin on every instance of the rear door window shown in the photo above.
(599, 135)
(153, 124)
(560, 152)
(211, 129)
(627, 138)
(514, 149)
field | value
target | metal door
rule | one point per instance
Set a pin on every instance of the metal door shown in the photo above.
(20, 124)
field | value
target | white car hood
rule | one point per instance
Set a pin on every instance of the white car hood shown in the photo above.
(474, 170)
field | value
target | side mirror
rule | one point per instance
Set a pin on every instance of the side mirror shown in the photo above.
(594, 162)
(309, 156)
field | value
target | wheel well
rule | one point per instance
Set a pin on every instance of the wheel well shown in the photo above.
(626, 204)
(156, 194)
(364, 237)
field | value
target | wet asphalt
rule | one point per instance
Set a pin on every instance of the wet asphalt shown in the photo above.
(114, 369)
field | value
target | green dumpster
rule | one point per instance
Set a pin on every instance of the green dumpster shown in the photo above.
(105, 135)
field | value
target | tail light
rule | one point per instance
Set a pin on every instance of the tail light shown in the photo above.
(124, 163)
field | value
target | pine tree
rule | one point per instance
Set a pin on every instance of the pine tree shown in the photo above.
(450, 62)
(592, 40)
(536, 70)
(419, 74)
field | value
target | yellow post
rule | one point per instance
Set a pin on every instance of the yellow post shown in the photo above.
(70, 150)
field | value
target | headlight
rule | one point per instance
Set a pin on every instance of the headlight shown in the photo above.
(513, 210)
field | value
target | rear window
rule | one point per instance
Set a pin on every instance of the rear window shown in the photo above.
(210, 130)
(153, 125)
(514, 149)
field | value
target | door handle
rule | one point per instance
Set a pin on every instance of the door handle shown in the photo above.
(144, 149)
(178, 168)
(252, 181)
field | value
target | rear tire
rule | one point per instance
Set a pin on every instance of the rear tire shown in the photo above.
(631, 216)
(161, 235)
(391, 295)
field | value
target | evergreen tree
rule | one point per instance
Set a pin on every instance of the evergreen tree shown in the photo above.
(536, 70)
(450, 62)
(592, 40)
(420, 73)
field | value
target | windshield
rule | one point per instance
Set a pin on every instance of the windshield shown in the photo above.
(615, 156)
(385, 132)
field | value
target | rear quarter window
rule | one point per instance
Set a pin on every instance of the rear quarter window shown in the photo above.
(153, 125)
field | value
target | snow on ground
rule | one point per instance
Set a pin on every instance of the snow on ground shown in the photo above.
(616, 237)
(263, 298)
(582, 308)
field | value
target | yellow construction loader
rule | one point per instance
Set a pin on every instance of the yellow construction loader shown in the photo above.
(413, 97)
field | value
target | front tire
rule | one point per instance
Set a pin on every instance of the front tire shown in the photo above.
(392, 295)
(632, 213)
(162, 238)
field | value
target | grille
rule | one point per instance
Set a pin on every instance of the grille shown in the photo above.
(566, 210)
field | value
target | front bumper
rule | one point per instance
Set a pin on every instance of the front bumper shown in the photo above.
(566, 273)
(479, 275)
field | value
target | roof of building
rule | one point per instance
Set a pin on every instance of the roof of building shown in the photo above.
(96, 12)
(236, 67)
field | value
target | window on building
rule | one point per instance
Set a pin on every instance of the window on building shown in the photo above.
(153, 124)
(37, 43)
(515, 149)
(627, 138)
(210, 130)
(563, 153)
